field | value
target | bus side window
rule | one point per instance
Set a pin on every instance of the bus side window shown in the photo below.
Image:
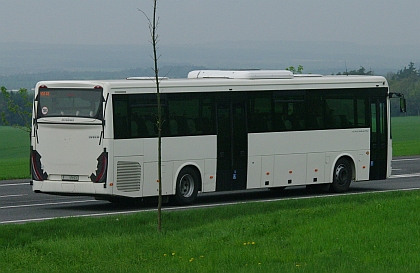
(138, 126)
(173, 125)
(342, 112)
(120, 118)
(184, 113)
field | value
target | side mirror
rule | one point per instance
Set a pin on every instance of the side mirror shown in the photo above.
(403, 105)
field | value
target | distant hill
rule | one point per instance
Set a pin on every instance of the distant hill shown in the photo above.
(28, 80)
(46, 61)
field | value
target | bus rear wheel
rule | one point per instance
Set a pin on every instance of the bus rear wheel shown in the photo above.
(343, 175)
(186, 186)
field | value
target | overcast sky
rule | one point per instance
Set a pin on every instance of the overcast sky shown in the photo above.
(372, 22)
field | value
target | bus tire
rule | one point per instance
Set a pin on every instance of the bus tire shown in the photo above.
(186, 186)
(342, 176)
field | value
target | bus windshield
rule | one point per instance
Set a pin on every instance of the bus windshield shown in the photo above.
(70, 103)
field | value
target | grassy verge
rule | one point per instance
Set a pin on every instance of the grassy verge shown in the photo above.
(14, 168)
(363, 233)
(405, 136)
(14, 143)
(14, 153)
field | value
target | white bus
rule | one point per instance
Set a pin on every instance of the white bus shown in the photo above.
(222, 131)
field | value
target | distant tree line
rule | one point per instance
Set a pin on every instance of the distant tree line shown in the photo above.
(360, 71)
(405, 81)
(15, 106)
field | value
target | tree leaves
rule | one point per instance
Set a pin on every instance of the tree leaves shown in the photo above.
(16, 108)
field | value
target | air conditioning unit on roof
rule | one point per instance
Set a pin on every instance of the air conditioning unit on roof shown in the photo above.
(241, 74)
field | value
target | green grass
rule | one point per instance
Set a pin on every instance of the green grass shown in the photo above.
(360, 233)
(405, 135)
(14, 168)
(14, 143)
(14, 153)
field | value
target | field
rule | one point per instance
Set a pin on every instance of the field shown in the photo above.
(405, 135)
(375, 232)
(14, 153)
(14, 146)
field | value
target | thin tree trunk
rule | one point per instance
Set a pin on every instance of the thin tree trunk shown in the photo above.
(159, 119)
(152, 27)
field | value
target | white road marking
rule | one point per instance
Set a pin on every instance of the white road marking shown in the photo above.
(47, 204)
(12, 195)
(405, 175)
(15, 184)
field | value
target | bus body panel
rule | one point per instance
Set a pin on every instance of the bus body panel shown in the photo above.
(59, 145)
(315, 168)
(177, 152)
(67, 142)
(308, 141)
(209, 180)
(276, 159)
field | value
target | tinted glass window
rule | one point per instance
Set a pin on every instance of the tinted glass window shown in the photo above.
(260, 114)
(70, 103)
(346, 110)
(290, 112)
(136, 116)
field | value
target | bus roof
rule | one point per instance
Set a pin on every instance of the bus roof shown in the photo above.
(233, 80)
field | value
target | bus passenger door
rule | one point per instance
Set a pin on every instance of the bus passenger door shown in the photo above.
(378, 139)
(232, 146)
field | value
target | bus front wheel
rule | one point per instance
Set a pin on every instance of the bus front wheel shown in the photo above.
(342, 176)
(186, 186)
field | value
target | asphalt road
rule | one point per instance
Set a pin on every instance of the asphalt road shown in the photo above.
(18, 204)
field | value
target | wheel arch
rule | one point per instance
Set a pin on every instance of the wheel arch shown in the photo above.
(350, 159)
(192, 165)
